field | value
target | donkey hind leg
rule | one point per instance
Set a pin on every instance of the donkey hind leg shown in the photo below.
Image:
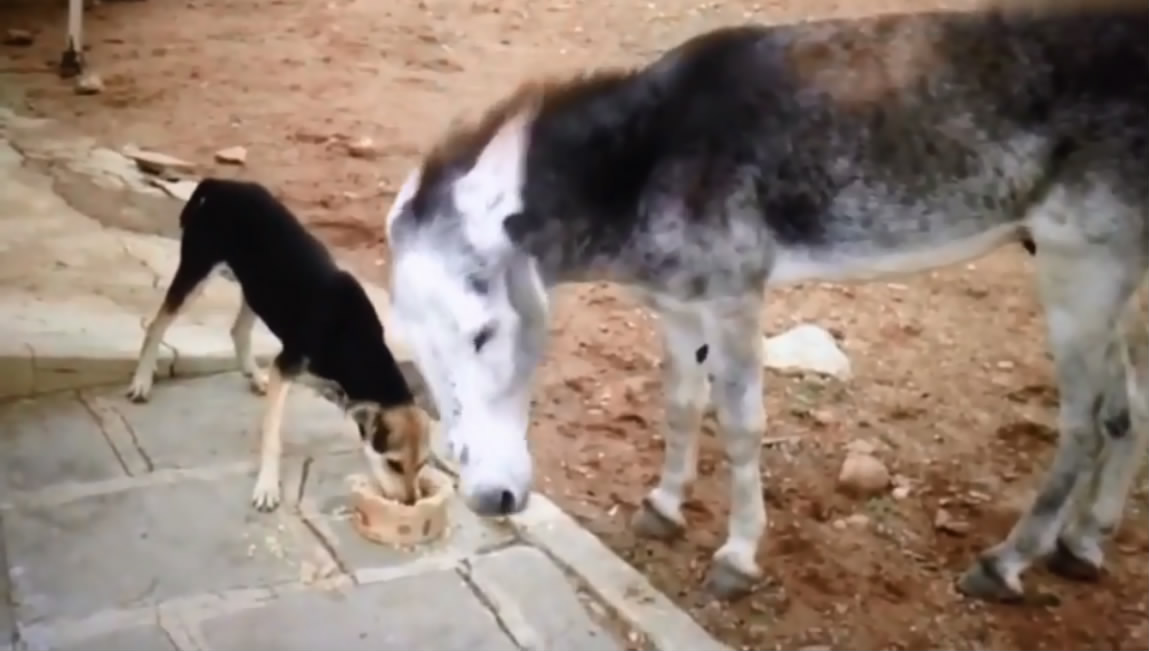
(735, 342)
(1083, 289)
(684, 383)
(1079, 554)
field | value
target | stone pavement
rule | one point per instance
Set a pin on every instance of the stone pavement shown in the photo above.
(128, 526)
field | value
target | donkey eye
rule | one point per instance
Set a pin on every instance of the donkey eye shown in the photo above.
(483, 336)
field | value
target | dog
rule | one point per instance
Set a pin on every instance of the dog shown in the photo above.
(332, 339)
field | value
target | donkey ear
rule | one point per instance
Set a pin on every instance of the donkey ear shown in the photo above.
(492, 189)
(504, 154)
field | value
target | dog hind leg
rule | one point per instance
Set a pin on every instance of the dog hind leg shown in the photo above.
(244, 357)
(187, 283)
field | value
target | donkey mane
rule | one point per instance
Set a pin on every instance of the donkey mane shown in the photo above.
(458, 148)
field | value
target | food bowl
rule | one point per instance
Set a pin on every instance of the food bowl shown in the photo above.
(390, 522)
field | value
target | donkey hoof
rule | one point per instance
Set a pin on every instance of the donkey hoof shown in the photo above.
(984, 581)
(649, 523)
(728, 583)
(1064, 563)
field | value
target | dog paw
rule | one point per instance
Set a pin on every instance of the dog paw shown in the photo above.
(257, 380)
(265, 497)
(139, 390)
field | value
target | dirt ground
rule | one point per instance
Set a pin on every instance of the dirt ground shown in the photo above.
(952, 382)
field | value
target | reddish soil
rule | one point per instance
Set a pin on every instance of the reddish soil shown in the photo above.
(952, 381)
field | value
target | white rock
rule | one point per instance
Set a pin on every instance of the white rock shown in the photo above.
(806, 347)
(181, 190)
(21, 37)
(861, 446)
(232, 155)
(943, 521)
(155, 162)
(863, 475)
(89, 83)
(364, 148)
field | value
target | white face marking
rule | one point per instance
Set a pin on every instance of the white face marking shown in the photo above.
(477, 354)
(472, 311)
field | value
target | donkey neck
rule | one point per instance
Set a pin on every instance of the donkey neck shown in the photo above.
(589, 158)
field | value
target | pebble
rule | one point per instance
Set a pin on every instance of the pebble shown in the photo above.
(89, 83)
(863, 475)
(19, 37)
(232, 155)
(154, 162)
(365, 148)
(944, 521)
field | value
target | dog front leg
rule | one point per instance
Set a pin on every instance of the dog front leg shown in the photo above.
(265, 497)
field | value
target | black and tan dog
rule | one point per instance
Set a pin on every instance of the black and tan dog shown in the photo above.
(331, 335)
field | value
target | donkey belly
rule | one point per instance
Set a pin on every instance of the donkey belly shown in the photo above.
(873, 260)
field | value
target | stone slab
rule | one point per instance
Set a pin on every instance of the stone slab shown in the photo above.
(326, 503)
(52, 440)
(429, 611)
(138, 547)
(151, 638)
(627, 592)
(7, 617)
(215, 419)
(537, 602)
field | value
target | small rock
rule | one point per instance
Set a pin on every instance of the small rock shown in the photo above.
(154, 162)
(363, 148)
(181, 189)
(943, 521)
(806, 347)
(863, 475)
(900, 492)
(18, 37)
(861, 446)
(89, 83)
(839, 524)
(232, 155)
(858, 520)
(815, 647)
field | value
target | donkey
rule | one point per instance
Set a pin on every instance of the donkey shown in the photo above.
(756, 156)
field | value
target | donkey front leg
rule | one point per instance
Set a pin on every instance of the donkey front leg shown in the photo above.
(732, 331)
(684, 385)
(1083, 289)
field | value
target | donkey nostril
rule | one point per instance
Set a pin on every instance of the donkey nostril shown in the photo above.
(506, 502)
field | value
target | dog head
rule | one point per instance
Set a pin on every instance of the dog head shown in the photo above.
(397, 444)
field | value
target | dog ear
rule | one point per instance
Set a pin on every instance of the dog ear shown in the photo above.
(366, 416)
